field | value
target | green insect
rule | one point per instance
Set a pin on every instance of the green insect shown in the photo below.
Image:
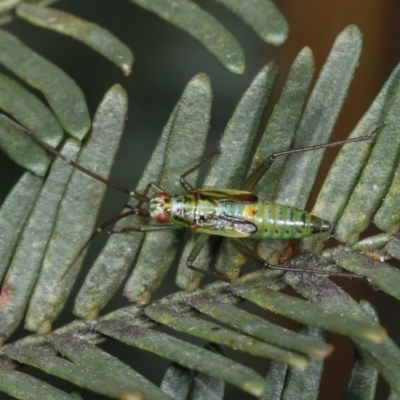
(235, 214)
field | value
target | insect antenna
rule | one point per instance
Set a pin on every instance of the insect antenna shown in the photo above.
(55, 153)
(142, 198)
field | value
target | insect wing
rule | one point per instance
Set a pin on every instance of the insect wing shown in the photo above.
(224, 225)
(228, 195)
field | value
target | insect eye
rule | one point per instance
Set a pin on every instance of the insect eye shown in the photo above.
(162, 217)
(163, 195)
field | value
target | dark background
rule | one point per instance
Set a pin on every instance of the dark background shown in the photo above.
(167, 58)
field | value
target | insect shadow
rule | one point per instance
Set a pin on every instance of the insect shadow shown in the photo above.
(235, 214)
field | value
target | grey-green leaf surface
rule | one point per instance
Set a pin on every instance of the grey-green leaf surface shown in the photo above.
(374, 243)
(382, 275)
(33, 242)
(282, 124)
(364, 376)
(26, 387)
(322, 291)
(347, 167)
(93, 35)
(7, 5)
(185, 354)
(393, 248)
(95, 380)
(346, 170)
(304, 385)
(363, 380)
(387, 218)
(21, 149)
(385, 357)
(229, 168)
(383, 354)
(98, 362)
(64, 96)
(190, 126)
(30, 112)
(189, 17)
(275, 381)
(180, 384)
(264, 330)
(377, 175)
(319, 118)
(205, 386)
(218, 334)
(78, 212)
(177, 382)
(394, 396)
(263, 16)
(120, 250)
(13, 213)
(311, 314)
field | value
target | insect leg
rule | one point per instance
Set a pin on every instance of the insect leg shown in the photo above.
(96, 232)
(102, 227)
(199, 244)
(182, 180)
(251, 254)
(148, 228)
(253, 178)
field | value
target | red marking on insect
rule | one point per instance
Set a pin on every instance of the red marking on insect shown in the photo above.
(163, 195)
(287, 254)
(162, 218)
(5, 296)
(374, 255)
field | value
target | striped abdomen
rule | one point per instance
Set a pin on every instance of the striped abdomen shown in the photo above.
(275, 221)
(236, 214)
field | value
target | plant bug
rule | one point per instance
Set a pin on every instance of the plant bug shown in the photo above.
(235, 214)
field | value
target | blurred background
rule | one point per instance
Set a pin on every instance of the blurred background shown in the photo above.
(167, 58)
